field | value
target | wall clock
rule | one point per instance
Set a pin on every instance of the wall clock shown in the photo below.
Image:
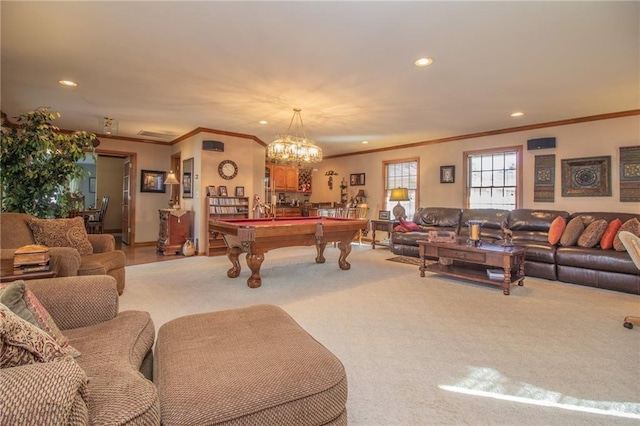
(228, 169)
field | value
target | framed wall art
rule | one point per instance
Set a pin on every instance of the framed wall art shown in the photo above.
(357, 179)
(586, 177)
(544, 178)
(384, 215)
(447, 174)
(187, 178)
(152, 181)
(630, 174)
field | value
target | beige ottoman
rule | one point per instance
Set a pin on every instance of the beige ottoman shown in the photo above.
(249, 366)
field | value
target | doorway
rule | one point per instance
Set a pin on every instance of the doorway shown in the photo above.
(115, 178)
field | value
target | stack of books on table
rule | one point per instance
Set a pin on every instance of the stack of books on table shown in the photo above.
(31, 258)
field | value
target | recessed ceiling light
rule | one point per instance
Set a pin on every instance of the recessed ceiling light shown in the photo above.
(68, 83)
(423, 62)
(517, 114)
(263, 122)
(365, 142)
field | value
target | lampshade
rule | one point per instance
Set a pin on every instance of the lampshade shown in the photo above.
(399, 194)
(361, 194)
(171, 179)
(294, 147)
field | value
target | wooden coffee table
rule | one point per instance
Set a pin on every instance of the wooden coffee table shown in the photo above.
(455, 257)
(7, 275)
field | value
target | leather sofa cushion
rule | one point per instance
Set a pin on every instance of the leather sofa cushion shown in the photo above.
(538, 251)
(596, 259)
(534, 220)
(438, 217)
(492, 220)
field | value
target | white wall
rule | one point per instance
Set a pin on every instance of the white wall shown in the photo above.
(596, 138)
(246, 153)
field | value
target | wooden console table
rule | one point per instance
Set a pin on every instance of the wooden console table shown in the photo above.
(509, 259)
(174, 230)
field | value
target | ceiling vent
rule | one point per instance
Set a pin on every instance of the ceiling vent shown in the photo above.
(157, 135)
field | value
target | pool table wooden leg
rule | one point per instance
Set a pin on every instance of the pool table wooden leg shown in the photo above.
(233, 253)
(345, 249)
(320, 252)
(254, 261)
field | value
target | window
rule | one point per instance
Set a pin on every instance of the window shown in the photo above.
(402, 174)
(494, 178)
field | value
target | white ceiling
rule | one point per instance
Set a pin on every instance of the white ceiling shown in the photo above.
(176, 66)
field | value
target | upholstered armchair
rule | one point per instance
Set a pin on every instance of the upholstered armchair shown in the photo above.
(72, 251)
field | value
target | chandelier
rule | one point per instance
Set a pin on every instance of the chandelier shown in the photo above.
(294, 148)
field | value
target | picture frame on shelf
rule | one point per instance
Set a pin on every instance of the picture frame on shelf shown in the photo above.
(152, 181)
(447, 174)
(222, 191)
(239, 191)
(187, 178)
(357, 179)
(211, 191)
(384, 215)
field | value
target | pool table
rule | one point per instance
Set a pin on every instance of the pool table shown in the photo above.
(257, 236)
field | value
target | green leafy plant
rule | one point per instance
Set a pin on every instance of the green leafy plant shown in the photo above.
(38, 162)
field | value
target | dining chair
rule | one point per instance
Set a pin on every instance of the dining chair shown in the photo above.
(77, 207)
(631, 242)
(362, 212)
(96, 225)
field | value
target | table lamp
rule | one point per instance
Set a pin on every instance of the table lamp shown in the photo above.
(361, 197)
(171, 180)
(399, 194)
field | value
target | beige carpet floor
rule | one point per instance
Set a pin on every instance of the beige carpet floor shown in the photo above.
(433, 350)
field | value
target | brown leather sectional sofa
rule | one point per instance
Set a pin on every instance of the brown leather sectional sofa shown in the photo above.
(593, 267)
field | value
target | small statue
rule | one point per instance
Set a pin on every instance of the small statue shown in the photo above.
(507, 235)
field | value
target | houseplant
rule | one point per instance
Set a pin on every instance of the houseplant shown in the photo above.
(37, 163)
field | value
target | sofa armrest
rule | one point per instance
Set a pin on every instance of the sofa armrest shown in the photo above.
(44, 393)
(75, 302)
(102, 242)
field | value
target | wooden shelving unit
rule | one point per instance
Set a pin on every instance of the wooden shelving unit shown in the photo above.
(224, 208)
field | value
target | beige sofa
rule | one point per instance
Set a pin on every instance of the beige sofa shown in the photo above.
(105, 259)
(108, 383)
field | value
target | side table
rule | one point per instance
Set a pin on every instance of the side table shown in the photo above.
(380, 225)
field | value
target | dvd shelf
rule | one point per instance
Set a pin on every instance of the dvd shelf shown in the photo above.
(224, 208)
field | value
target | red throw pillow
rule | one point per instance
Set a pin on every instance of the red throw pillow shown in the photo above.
(400, 228)
(409, 226)
(556, 230)
(606, 242)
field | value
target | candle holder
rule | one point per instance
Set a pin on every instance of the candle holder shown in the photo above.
(474, 233)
